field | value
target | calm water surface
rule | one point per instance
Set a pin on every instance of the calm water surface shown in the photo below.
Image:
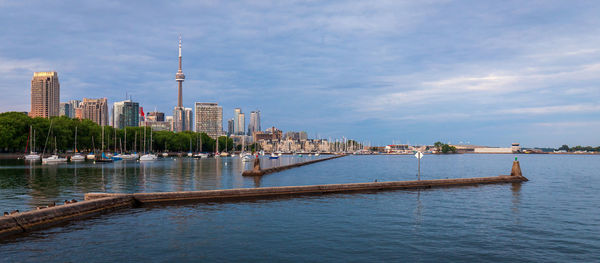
(555, 217)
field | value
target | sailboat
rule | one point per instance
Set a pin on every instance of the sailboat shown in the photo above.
(246, 157)
(130, 156)
(77, 157)
(54, 158)
(91, 156)
(103, 158)
(148, 156)
(225, 153)
(166, 153)
(199, 153)
(32, 154)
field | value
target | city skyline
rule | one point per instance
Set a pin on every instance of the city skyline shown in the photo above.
(382, 72)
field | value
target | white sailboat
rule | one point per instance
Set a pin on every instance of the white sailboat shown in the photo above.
(91, 156)
(77, 157)
(54, 158)
(32, 154)
(129, 156)
(148, 156)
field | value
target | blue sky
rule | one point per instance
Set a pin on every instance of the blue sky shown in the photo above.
(483, 72)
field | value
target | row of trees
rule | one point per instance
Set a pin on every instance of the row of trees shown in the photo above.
(579, 148)
(14, 136)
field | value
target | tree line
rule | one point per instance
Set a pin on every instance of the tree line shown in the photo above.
(14, 136)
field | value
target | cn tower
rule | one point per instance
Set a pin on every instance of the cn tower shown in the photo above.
(179, 77)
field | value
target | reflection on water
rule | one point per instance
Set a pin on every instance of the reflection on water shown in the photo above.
(26, 185)
(551, 218)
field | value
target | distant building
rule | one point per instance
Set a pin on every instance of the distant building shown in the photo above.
(125, 114)
(230, 125)
(79, 113)
(254, 124)
(95, 110)
(156, 116)
(74, 105)
(65, 109)
(209, 119)
(182, 119)
(239, 125)
(270, 134)
(291, 135)
(45, 94)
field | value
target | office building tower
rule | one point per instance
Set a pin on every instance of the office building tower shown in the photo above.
(230, 125)
(239, 122)
(209, 119)
(95, 110)
(236, 113)
(45, 94)
(254, 124)
(125, 114)
(65, 109)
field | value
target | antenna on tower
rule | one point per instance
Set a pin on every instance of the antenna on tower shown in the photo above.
(180, 45)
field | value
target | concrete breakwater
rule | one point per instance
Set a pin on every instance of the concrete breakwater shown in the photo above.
(103, 202)
(257, 171)
(41, 218)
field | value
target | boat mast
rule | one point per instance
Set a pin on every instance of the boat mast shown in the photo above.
(75, 139)
(103, 139)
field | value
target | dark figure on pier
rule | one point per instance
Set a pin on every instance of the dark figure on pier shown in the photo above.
(5, 213)
(14, 212)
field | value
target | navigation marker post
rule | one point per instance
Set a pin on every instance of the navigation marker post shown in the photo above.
(419, 155)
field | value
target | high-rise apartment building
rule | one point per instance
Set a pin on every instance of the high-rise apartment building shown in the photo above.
(65, 109)
(230, 125)
(45, 94)
(254, 124)
(95, 110)
(125, 114)
(209, 119)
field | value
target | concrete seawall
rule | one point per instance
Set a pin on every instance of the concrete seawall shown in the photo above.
(258, 172)
(36, 219)
(242, 193)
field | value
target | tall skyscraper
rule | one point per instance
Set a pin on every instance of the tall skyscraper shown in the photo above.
(230, 125)
(239, 121)
(209, 119)
(95, 110)
(236, 113)
(241, 124)
(125, 114)
(254, 124)
(181, 114)
(45, 94)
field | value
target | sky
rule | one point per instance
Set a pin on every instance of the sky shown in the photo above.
(469, 72)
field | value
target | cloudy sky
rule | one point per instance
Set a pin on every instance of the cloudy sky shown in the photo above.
(482, 72)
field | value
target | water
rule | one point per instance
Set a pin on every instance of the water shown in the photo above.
(553, 217)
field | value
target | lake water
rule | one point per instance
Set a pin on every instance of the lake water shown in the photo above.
(555, 217)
